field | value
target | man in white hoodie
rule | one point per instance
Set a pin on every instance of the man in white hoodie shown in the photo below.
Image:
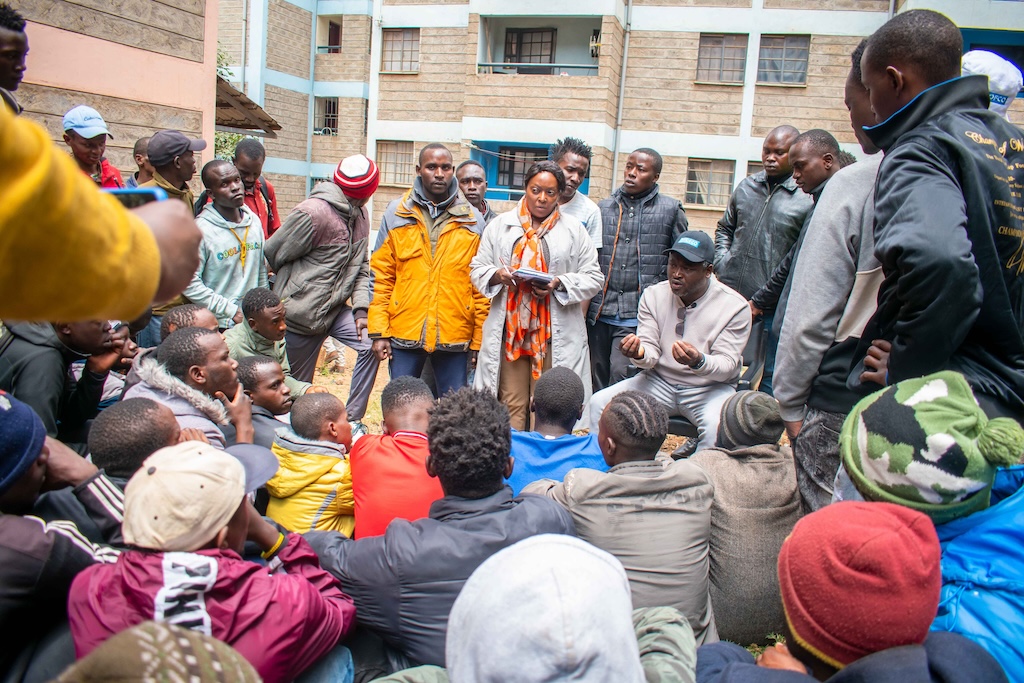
(231, 253)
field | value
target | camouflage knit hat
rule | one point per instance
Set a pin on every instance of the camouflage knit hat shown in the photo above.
(926, 444)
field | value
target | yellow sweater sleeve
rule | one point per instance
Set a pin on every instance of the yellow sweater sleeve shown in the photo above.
(69, 251)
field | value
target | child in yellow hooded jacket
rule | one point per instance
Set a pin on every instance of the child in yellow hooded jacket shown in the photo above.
(312, 490)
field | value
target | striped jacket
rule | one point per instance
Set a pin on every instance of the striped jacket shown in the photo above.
(38, 561)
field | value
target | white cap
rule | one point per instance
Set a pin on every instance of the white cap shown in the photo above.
(181, 497)
(1004, 79)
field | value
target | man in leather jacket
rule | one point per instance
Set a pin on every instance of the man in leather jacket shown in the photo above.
(949, 221)
(762, 222)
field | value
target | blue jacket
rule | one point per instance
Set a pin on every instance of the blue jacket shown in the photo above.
(983, 574)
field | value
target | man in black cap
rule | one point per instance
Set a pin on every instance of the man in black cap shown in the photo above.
(689, 340)
(171, 155)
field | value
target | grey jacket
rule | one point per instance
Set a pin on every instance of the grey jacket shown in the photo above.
(819, 336)
(636, 233)
(191, 407)
(756, 506)
(320, 254)
(757, 230)
(655, 517)
(405, 582)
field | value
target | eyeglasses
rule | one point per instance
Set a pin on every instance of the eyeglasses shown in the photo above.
(681, 325)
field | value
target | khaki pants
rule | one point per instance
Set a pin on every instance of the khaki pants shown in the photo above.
(515, 387)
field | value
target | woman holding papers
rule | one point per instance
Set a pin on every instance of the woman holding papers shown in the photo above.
(536, 266)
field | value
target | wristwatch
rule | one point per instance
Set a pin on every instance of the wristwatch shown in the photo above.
(703, 360)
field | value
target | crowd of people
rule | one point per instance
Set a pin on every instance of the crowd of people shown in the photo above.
(179, 500)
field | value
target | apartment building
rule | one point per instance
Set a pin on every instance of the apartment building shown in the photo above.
(498, 81)
(144, 65)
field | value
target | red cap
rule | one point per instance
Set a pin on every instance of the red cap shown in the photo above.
(858, 578)
(357, 176)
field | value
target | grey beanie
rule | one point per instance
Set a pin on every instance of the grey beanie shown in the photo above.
(749, 418)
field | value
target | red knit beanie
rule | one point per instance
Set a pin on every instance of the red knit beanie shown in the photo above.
(858, 578)
(357, 176)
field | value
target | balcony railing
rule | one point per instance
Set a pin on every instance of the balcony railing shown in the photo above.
(537, 69)
(328, 49)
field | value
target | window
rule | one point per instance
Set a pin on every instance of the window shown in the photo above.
(315, 180)
(325, 118)
(722, 58)
(783, 59)
(395, 161)
(754, 167)
(333, 38)
(530, 46)
(401, 50)
(513, 162)
(709, 181)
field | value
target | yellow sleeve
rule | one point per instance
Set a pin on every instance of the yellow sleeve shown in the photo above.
(69, 251)
(344, 501)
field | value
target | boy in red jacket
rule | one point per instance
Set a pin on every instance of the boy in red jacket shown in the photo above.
(187, 516)
(389, 472)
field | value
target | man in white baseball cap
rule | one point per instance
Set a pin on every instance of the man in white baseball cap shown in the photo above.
(86, 133)
(186, 519)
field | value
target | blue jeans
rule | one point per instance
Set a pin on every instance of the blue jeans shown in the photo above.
(771, 345)
(334, 667)
(450, 367)
(149, 336)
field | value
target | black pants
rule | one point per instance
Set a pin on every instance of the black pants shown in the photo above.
(607, 364)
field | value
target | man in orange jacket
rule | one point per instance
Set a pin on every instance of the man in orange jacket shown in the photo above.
(423, 301)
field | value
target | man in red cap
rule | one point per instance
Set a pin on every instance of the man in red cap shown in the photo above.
(860, 587)
(321, 259)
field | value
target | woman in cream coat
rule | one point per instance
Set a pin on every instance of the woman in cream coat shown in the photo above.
(534, 235)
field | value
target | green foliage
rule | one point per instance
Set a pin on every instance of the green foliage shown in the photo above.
(772, 639)
(223, 63)
(224, 144)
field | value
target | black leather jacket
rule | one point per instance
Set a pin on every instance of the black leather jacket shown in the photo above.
(757, 230)
(949, 233)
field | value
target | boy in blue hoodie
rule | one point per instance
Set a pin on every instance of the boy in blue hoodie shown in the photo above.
(231, 254)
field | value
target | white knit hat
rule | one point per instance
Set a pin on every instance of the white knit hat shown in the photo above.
(1004, 79)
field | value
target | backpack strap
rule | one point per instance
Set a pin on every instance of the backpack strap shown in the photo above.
(266, 198)
(204, 197)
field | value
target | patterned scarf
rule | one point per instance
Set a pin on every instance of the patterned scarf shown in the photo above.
(527, 318)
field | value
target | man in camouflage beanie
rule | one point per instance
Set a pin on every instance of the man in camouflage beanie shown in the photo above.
(924, 443)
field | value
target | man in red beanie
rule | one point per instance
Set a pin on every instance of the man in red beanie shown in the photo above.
(860, 587)
(321, 259)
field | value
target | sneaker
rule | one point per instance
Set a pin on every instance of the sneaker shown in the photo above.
(359, 430)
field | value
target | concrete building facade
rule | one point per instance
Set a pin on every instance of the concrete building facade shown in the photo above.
(145, 65)
(701, 81)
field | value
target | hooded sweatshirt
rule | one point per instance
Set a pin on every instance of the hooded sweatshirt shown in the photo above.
(34, 368)
(555, 608)
(243, 341)
(312, 491)
(321, 257)
(191, 407)
(227, 269)
(282, 620)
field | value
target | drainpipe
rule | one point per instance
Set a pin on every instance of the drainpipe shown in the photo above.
(892, 8)
(245, 47)
(622, 95)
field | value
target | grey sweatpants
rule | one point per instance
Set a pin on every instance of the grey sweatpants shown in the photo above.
(304, 349)
(700, 405)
